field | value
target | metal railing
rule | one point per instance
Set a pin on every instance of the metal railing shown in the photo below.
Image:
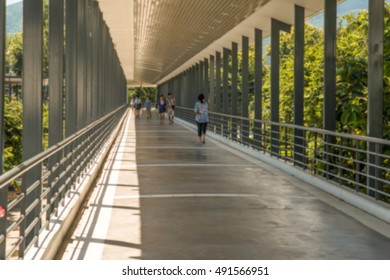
(69, 162)
(358, 162)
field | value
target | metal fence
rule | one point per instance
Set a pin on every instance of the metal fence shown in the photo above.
(358, 162)
(70, 161)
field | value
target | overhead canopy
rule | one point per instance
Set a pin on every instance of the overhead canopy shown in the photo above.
(157, 39)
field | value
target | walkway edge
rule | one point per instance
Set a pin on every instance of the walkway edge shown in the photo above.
(51, 239)
(376, 208)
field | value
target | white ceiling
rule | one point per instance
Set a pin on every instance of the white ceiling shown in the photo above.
(158, 39)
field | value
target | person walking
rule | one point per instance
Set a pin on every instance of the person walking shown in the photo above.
(161, 107)
(171, 105)
(137, 105)
(202, 117)
(148, 106)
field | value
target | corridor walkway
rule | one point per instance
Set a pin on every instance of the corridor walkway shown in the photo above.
(162, 195)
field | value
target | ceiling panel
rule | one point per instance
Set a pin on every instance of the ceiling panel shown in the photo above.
(157, 39)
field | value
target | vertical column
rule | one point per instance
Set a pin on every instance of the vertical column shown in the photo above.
(212, 83)
(245, 89)
(225, 90)
(89, 53)
(201, 77)
(234, 89)
(95, 59)
(218, 82)
(189, 86)
(258, 87)
(3, 192)
(32, 113)
(81, 65)
(375, 92)
(276, 27)
(184, 93)
(330, 65)
(299, 79)
(2, 83)
(206, 78)
(56, 80)
(196, 80)
(178, 92)
(56, 66)
(275, 65)
(329, 115)
(218, 92)
(193, 89)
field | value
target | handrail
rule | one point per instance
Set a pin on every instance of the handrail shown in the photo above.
(294, 126)
(68, 161)
(39, 158)
(349, 160)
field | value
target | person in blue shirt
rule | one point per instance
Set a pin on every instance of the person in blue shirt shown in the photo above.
(148, 106)
(202, 117)
(161, 107)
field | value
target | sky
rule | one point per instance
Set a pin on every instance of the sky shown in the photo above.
(9, 2)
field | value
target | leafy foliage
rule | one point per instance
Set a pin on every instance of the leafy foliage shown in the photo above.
(13, 133)
(143, 92)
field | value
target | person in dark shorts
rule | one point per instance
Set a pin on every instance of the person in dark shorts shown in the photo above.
(137, 106)
(161, 107)
(202, 117)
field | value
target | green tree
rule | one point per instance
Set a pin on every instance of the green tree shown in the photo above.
(13, 133)
(14, 48)
(14, 54)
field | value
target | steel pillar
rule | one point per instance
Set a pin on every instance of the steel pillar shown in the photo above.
(258, 87)
(375, 93)
(218, 82)
(206, 78)
(330, 65)
(245, 90)
(81, 65)
(276, 27)
(299, 79)
(225, 91)
(4, 191)
(329, 113)
(2, 83)
(89, 53)
(56, 95)
(218, 91)
(234, 89)
(32, 115)
(212, 84)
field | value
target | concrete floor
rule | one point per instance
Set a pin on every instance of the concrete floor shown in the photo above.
(163, 195)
